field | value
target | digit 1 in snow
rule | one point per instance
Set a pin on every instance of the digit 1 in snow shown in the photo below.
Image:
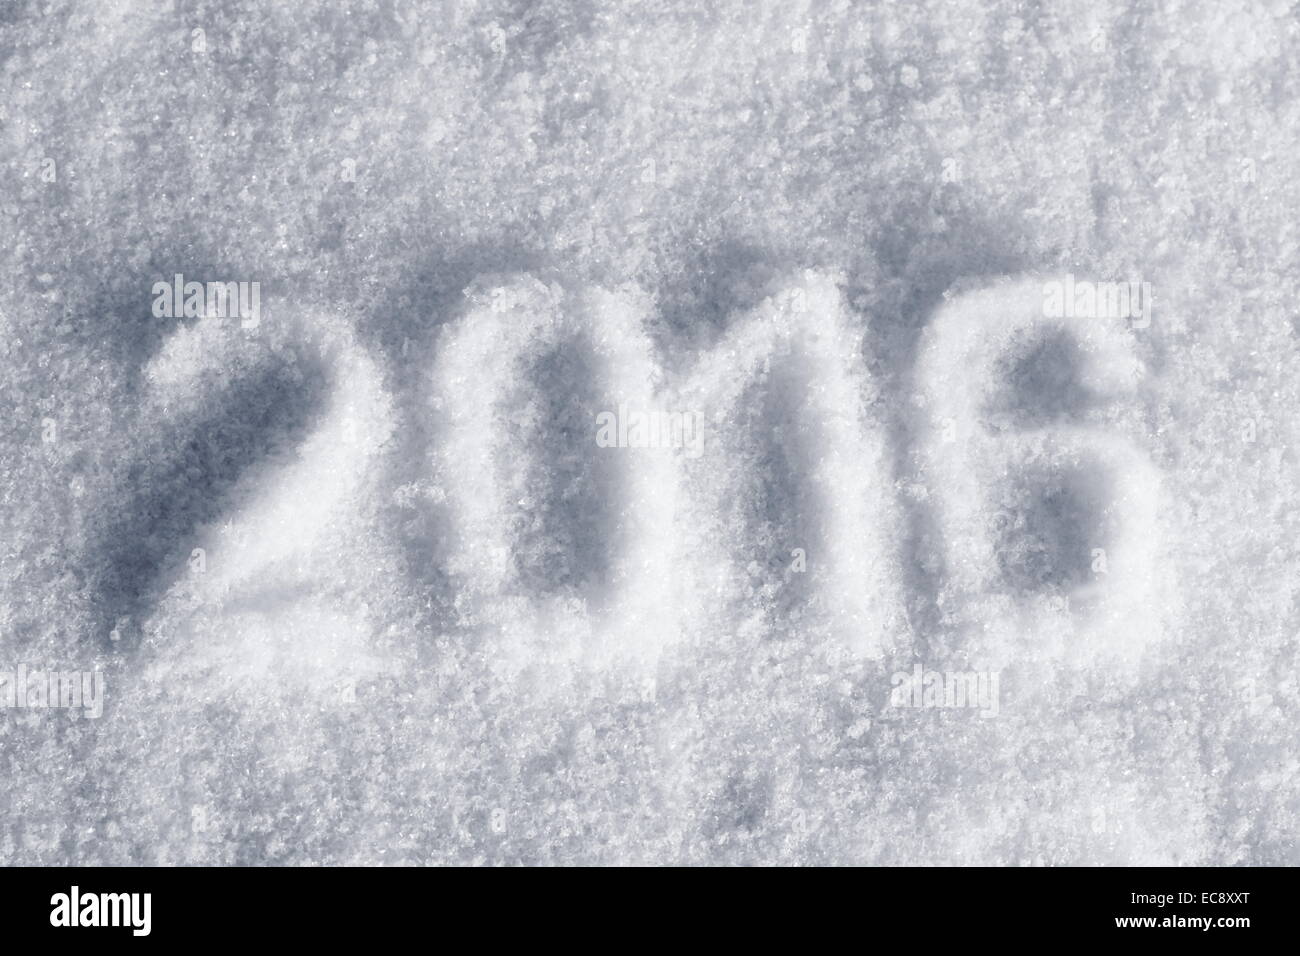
(791, 510)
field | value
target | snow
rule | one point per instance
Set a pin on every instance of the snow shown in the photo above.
(365, 589)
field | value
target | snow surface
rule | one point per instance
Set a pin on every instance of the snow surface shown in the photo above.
(365, 590)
